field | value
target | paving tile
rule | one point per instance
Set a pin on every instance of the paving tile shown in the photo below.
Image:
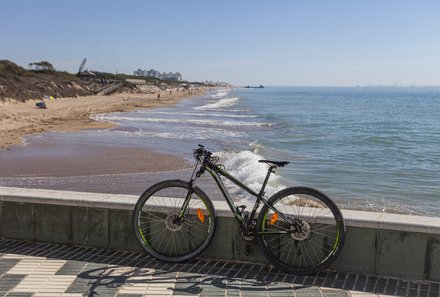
(334, 293)
(39, 284)
(187, 288)
(349, 281)
(299, 279)
(7, 264)
(362, 294)
(434, 293)
(319, 279)
(308, 292)
(13, 256)
(105, 291)
(340, 280)
(309, 280)
(71, 268)
(281, 291)
(413, 292)
(251, 293)
(37, 266)
(10, 281)
(361, 283)
(233, 292)
(289, 279)
(132, 290)
(434, 290)
(380, 286)
(402, 288)
(423, 293)
(79, 285)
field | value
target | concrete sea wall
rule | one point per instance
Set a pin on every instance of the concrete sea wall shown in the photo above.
(376, 243)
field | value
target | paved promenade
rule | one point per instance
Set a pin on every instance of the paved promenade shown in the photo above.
(44, 269)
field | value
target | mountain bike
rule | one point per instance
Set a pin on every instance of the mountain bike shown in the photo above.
(299, 229)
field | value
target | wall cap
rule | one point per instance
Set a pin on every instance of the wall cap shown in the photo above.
(353, 218)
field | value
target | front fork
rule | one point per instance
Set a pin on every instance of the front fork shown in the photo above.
(192, 184)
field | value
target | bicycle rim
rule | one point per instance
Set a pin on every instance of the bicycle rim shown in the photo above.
(156, 227)
(313, 246)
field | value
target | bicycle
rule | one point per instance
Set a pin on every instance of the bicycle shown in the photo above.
(300, 229)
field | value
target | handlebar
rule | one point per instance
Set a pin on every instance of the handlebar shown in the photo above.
(204, 156)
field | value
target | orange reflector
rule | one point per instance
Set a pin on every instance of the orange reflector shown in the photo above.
(200, 215)
(273, 218)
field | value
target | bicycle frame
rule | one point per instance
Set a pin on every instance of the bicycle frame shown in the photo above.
(245, 223)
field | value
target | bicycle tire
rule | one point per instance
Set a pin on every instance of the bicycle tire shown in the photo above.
(318, 243)
(153, 221)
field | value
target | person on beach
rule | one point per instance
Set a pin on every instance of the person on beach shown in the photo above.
(158, 97)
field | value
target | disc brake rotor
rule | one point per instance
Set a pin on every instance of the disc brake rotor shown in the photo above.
(169, 223)
(303, 231)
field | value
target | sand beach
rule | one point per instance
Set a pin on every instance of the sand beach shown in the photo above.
(76, 165)
(18, 119)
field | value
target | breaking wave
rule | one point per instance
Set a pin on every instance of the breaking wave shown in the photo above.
(200, 134)
(221, 93)
(180, 121)
(220, 115)
(244, 166)
(227, 102)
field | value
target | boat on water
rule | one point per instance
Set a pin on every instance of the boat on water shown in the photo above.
(253, 87)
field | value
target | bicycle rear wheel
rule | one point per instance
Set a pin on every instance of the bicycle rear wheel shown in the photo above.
(160, 234)
(304, 234)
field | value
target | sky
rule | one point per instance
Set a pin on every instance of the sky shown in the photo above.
(286, 43)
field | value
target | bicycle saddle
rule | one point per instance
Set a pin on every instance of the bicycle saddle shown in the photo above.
(277, 163)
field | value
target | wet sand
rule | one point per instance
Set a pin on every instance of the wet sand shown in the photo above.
(47, 161)
(44, 157)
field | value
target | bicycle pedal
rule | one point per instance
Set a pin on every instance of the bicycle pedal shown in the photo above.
(247, 238)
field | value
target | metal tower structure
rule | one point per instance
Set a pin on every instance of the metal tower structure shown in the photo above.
(83, 64)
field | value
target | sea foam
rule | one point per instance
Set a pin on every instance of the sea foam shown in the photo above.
(244, 166)
(227, 102)
(200, 134)
(180, 121)
(221, 93)
(198, 114)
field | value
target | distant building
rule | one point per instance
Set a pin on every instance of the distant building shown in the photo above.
(87, 75)
(157, 74)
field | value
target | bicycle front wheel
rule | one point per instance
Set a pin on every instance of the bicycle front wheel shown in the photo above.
(302, 231)
(158, 230)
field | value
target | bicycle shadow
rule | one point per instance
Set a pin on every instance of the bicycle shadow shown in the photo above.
(176, 281)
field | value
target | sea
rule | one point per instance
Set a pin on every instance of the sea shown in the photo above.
(368, 148)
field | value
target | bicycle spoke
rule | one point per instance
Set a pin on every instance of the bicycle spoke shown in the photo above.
(322, 228)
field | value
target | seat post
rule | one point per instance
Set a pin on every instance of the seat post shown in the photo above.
(269, 171)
